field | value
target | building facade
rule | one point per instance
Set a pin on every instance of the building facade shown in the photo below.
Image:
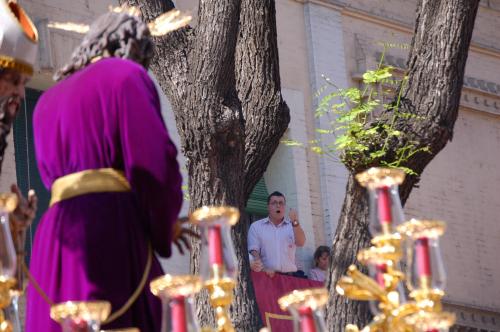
(340, 39)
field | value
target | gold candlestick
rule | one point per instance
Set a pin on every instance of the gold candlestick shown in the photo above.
(305, 305)
(219, 263)
(176, 294)
(221, 296)
(425, 276)
(6, 284)
(8, 203)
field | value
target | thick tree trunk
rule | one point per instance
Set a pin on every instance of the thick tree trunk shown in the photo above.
(436, 66)
(351, 236)
(257, 61)
(222, 79)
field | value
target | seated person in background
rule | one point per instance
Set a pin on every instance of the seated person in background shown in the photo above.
(272, 241)
(321, 262)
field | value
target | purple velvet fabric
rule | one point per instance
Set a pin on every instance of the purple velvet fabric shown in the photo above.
(94, 246)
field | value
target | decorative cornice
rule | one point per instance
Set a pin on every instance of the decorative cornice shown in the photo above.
(379, 20)
(393, 24)
(481, 319)
(477, 94)
(473, 84)
(489, 8)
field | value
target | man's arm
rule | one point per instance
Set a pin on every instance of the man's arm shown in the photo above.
(298, 232)
(254, 250)
(253, 242)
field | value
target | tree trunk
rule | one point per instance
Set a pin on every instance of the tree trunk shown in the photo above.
(436, 66)
(222, 79)
(351, 235)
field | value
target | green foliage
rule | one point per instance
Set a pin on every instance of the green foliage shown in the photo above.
(363, 124)
(185, 192)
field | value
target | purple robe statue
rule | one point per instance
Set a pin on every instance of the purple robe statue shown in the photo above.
(94, 246)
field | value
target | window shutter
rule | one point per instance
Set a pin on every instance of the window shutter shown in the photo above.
(257, 203)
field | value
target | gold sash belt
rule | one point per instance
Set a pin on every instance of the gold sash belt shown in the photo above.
(88, 181)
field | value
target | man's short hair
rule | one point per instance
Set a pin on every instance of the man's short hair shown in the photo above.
(276, 193)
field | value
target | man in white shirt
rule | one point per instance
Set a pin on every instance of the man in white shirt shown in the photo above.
(272, 241)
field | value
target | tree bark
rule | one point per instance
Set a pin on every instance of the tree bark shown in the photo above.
(256, 61)
(222, 79)
(436, 66)
(351, 236)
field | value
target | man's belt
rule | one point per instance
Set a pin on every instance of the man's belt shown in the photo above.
(88, 181)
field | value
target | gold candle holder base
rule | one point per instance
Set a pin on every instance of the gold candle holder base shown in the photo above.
(172, 286)
(221, 296)
(377, 177)
(77, 315)
(313, 298)
(426, 321)
(176, 294)
(305, 306)
(6, 284)
(8, 201)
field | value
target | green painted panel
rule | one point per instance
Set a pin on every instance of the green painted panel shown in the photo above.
(257, 203)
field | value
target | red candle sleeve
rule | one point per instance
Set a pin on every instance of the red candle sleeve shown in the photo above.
(215, 245)
(423, 257)
(381, 269)
(306, 320)
(178, 314)
(384, 206)
(78, 325)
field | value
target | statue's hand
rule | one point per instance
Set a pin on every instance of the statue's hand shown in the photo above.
(182, 235)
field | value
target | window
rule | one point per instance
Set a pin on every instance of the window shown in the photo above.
(257, 203)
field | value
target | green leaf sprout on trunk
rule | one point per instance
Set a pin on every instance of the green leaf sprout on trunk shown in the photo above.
(363, 125)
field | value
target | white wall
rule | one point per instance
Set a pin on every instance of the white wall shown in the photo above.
(324, 35)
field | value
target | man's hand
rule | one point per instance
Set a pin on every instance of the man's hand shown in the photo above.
(270, 273)
(22, 217)
(182, 235)
(293, 215)
(256, 264)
